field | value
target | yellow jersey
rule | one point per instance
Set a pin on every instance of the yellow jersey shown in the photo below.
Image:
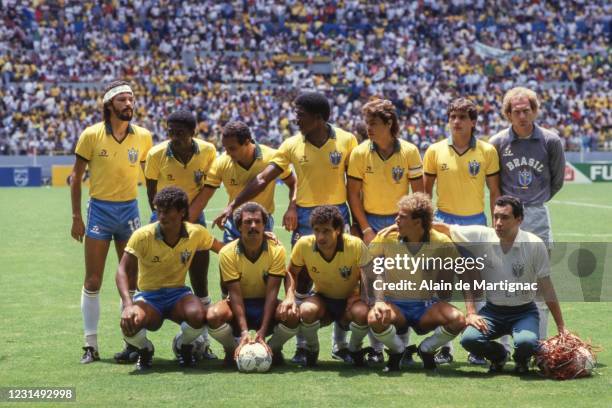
(113, 166)
(460, 178)
(320, 171)
(253, 276)
(162, 266)
(235, 177)
(164, 167)
(338, 278)
(384, 182)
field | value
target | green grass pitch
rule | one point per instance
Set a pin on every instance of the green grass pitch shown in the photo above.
(40, 341)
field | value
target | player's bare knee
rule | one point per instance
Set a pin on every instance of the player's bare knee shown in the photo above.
(309, 312)
(92, 283)
(359, 313)
(195, 317)
(215, 317)
(455, 321)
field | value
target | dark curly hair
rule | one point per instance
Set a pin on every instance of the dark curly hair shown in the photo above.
(172, 197)
(249, 207)
(314, 103)
(239, 130)
(326, 214)
(184, 117)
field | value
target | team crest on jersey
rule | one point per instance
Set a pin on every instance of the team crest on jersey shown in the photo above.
(518, 270)
(335, 157)
(473, 167)
(185, 255)
(397, 173)
(507, 152)
(525, 177)
(21, 177)
(198, 175)
(132, 155)
(345, 272)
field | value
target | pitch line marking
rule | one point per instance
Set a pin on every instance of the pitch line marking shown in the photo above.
(579, 204)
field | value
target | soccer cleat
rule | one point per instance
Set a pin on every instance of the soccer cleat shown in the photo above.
(342, 354)
(444, 356)
(277, 358)
(90, 355)
(145, 359)
(358, 357)
(299, 356)
(429, 359)
(498, 366)
(393, 362)
(128, 355)
(375, 357)
(186, 358)
(311, 358)
(207, 354)
(408, 360)
(521, 368)
(475, 360)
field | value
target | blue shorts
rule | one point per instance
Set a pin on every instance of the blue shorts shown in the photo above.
(378, 222)
(334, 308)
(107, 220)
(163, 300)
(477, 219)
(201, 220)
(254, 310)
(303, 216)
(413, 311)
(231, 233)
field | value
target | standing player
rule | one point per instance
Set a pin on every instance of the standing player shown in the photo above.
(242, 161)
(332, 260)
(159, 255)
(396, 311)
(514, 256)
(381, 171)
(319, 155)
(252, 269)
(460, 166)
(183, 161)
(532, 166)
(114, 151)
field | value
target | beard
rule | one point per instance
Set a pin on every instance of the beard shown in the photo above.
(124, 115)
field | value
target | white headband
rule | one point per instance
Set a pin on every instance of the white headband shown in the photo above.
(116, 91)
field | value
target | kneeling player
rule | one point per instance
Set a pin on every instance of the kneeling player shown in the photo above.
(400, 309)
(332, 260)
(252, 269)
(160, 255)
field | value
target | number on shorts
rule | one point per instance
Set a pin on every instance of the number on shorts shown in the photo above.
(134, 224)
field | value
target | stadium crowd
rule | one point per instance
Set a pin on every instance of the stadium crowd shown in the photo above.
(237, 60)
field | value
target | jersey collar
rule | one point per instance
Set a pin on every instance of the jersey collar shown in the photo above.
(536, 134)
(240, 250)
(258, 152)
(160, 236)
(339, 245)
(331, 132)
(109, 130)
(472, 141)
(194, 146)
(396, 146)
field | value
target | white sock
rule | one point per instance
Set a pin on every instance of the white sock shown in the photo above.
(543, 312)
(280, 336)
(405, 337)
(190, 333)
(206, 300)
(90, 308)
(310, 331)
(436, 340)
(224, 335)
(390, 339)
(338, 337)
(300, 341)
(358, 332)
(139, 340)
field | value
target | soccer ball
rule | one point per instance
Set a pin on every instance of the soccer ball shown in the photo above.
(199, 346)
(254, 357)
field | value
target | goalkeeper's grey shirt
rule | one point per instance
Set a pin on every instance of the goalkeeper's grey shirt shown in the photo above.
(532, 169)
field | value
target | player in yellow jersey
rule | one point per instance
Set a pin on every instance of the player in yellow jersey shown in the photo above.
(159, 255)
(252, 269)
(114, 151)
(381, 170)
(395, 310)
(319, 155)
(184, 161)
(243, 159)
(460, 167)
(333, 261)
